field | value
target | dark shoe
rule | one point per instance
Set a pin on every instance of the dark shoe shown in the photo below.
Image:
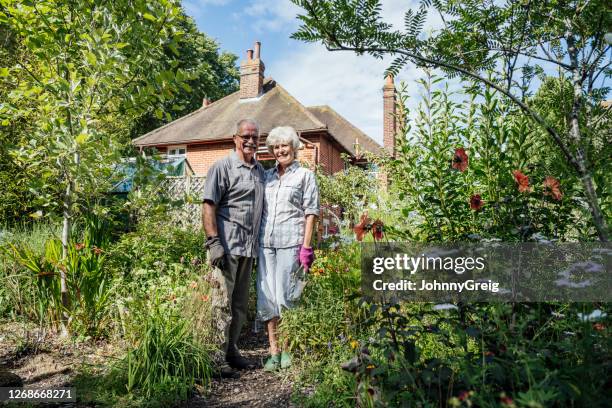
(225, 372)
(240, 363)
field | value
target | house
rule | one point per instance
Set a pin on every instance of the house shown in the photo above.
(205, 135)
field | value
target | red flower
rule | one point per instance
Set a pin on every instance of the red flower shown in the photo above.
(79, 246)
(552, 188)
(377, 230)
(205, 298)
(522, 181)
(463, 395)
(363, 226)
(476, 202)
(506, 400)
(599, 327)
(460, 160)
(97, 250)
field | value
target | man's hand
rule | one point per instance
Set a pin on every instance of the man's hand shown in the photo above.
(215, 251)
(306, 257)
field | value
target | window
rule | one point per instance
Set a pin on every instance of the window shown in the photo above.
(177, 151)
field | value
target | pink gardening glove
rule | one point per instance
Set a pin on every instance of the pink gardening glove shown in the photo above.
(306, 257)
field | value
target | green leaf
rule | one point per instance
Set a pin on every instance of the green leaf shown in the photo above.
(81, 139)
(91, 58)
(4, 72)
(149, 16)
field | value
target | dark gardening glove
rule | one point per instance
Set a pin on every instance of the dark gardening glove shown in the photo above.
(215, 251)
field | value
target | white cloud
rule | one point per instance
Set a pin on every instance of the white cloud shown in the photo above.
(196, 8)
(350, 84)
(273, 15)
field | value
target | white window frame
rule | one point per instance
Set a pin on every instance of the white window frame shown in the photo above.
(176, 148)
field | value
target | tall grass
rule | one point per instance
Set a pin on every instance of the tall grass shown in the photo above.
(18, 292)
(168, 360)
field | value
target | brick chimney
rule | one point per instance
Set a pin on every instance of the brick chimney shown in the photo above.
(389, 118)
(252, 74)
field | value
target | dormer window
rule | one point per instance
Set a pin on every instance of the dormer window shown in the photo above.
(177, 151)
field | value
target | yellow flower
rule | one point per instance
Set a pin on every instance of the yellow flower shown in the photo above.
(354, 344)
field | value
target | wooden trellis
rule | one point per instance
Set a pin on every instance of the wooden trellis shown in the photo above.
(189, 189)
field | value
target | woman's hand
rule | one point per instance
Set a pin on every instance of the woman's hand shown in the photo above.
(306, 257)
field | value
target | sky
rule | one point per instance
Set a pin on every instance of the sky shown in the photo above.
(350, 84)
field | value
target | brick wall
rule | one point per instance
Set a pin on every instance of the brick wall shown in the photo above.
(201, 157)
(329, 156)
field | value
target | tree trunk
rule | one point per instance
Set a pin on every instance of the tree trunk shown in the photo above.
(575, 134)
(66, 226)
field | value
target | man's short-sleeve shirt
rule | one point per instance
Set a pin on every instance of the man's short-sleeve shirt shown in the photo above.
(288, 200)
(236, 189)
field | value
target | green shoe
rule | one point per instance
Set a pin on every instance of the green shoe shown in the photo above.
(273, 363)
(285, 359)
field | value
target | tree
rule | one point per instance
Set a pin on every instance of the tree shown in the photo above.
(212, 75)
(92, 67)
(16, 199)
(515, 39)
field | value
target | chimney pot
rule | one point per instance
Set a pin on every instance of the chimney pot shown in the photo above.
(389, 80)
(252, 74)
(257, 49)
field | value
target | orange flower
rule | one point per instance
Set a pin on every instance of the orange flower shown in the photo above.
(460, 160)
(363, 226)
(599, 327)
(79, 246)
(97, 250)
(205, 298)
(522, 181)
(476, 202)
(377, 230)
(552, 188)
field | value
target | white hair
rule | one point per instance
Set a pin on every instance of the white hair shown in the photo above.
(244, 122)
(283, 135)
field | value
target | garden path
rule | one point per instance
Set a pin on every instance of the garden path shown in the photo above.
(254, 388)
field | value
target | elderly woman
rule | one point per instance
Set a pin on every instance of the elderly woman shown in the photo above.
(291, 205)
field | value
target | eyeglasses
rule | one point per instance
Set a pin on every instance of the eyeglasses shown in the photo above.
(246, 138)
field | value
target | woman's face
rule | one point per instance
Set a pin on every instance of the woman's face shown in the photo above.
(283, 153)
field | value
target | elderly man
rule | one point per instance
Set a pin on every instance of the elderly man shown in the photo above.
(231, 213)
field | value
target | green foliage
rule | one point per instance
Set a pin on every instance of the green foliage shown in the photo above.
(37, 287)
(322, 328)
(502, 46)
(208, 74)
(497, 140)
(351, 190)
(413, 354)
(533, 354)
(156, 246)
(167, 360)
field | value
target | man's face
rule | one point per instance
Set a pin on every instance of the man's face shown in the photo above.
(246, 140)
